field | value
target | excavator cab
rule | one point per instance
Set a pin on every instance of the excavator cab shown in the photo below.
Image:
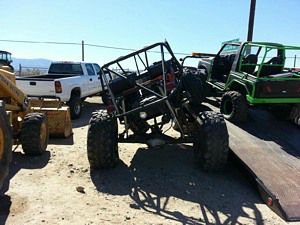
(5, 60)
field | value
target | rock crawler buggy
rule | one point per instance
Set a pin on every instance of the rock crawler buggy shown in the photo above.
(146, 98)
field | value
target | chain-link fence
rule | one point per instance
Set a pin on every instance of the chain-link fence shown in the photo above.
(25, 71)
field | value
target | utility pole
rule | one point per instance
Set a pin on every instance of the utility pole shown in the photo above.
(82, 51)
(251, 20)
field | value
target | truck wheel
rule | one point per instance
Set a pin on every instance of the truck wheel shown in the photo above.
(5, 144)
(75, 107)
(234, 106)
(34, 134)
(211, 141)
(102, 141)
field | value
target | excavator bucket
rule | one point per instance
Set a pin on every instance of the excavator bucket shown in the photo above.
(59, 119)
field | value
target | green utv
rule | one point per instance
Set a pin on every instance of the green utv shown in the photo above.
(254, 74)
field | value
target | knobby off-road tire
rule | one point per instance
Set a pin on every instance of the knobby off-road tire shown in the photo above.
(203, 75)
(234, 106)
(102, 141)
(193, 85)
(5, 143)
(34, 134)
(75, 105)
(211, 144)
(202, 71)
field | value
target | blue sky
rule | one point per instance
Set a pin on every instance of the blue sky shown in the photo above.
(188, 25)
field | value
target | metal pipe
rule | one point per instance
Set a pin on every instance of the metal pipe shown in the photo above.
(140, 108)
(163, 70)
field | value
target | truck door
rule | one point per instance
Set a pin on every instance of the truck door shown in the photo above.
(98, 80)
(93, 81)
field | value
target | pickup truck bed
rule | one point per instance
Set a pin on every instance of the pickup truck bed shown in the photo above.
(45, 77)
(71, 82)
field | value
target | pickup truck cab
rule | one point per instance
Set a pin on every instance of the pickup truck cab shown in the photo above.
(71, 82)
(254, 74)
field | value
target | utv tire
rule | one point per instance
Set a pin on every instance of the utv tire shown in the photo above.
(5, 144)
(234, 106)
(75, 105)
(202, 71)
(211, 144)
(207, 89)
(34, 134)
(102, 141)
(193, 85)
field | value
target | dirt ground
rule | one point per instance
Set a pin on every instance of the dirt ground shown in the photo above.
(149, 186)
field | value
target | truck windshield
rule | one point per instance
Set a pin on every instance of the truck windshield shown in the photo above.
(65, 68)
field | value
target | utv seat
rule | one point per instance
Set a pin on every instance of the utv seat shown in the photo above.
(271, 67)
(250, 59)
(154, 70)
(120, 84)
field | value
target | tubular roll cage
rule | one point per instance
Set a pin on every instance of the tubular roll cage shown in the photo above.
(136, 55)
(161, 95)
(268, 47)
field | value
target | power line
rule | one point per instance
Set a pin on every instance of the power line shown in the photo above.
(85, 44)
(42, 42)
(128, 49)
(110, 47)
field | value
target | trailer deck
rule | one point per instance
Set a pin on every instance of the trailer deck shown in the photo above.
(270, 150)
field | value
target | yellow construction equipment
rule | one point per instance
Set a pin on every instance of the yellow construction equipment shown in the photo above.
(18, 105)
(5, 143)
(26, 121)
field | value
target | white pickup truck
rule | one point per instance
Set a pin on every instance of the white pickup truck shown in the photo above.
(71, 82)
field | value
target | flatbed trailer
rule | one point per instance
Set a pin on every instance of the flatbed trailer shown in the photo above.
(270, 150)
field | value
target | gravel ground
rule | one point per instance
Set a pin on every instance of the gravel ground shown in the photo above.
(149, 186)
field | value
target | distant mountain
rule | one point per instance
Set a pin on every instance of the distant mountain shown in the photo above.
(41, 63)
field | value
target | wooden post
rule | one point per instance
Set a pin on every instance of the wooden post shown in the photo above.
(20, 70)
(82, 51)
(251, 20)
